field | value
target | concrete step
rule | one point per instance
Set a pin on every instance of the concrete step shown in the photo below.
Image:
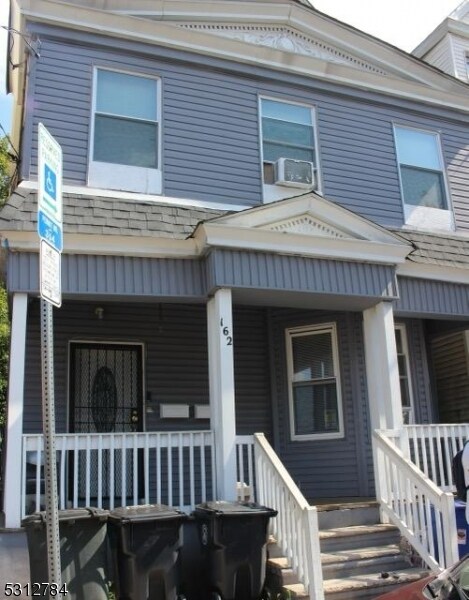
(360, 587)
(358, 536)
(347, 515)
(346, 563)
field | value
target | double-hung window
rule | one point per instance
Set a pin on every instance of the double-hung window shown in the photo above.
(314, 383)
(126, 128)
(422, 177)
(288, 131)
(404, 373)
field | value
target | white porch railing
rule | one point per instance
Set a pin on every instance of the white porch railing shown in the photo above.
(296, 526)
(432, 447)
(423, 512)
(245, 473)
(119, 469)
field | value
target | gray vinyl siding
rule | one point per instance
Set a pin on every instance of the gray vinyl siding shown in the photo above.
(211, 132)
(175, 360)
(327, 468)
(261, 270)
(460, 47)
(114, 276)
(424, 297)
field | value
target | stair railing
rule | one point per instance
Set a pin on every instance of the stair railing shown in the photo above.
(424, 513)
(296, 528)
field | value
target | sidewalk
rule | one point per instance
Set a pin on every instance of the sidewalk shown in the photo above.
(14, 559)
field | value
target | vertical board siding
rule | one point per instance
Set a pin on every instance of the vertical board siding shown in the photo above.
(460, 48)
(450, 363)
(327, 468)
(211, 147)
(175, 360)
(424, 296)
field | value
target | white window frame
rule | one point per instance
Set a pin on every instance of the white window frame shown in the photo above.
(273, 192)
(290, 333)
(126, 178)
(426, 217)
(405, 353)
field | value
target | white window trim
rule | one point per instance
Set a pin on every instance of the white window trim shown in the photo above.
(426, 217)
(273, 192)
(405, 347)
(127, 178)
(306, 330)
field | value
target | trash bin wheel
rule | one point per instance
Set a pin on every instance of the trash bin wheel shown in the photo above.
(215, 596)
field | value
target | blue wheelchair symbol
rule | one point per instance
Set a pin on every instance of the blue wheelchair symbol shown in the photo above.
(50, 182)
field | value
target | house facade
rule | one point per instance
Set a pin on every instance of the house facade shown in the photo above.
(266, 226)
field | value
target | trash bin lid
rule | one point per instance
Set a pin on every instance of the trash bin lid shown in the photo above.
(146, 512)
(227, 509)
(67, 515)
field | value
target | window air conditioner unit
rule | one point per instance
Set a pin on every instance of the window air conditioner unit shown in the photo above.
(294, 173)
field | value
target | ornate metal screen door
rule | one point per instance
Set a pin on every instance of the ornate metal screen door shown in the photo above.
(106, 397)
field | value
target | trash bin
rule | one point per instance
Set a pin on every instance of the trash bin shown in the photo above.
(233, 536)
(83, 552)
(146, 541)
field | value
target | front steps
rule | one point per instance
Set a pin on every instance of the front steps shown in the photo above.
(360, 556)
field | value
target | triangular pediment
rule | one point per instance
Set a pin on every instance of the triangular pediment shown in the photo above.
(286, 39)
(307, 225)
(309, 215)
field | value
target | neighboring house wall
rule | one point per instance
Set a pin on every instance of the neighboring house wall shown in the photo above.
(441, 56)
(211, 148)
(450, 362)
(460, 52)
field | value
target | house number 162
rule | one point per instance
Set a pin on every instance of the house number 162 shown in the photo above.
(227, 333)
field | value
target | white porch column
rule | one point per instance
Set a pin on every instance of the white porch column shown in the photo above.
(222, 397)
(14, 432)
(382, 371)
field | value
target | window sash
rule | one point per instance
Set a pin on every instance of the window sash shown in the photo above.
(315, 397)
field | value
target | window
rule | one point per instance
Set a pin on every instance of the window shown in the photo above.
(125, 132)
(423, 181)
(404, 374)
(287, 131)
(314, 384)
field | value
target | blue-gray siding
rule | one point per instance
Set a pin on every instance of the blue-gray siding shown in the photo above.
(210, 125)
(114, 276)
(258, 270)
(425, 297)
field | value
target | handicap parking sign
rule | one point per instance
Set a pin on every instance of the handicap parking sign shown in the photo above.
(49, 223)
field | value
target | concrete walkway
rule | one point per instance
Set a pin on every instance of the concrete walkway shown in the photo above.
(14, 559)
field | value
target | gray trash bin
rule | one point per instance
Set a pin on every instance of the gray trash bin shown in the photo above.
(83, 552)
(146, 542)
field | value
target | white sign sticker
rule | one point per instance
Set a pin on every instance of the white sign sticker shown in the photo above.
(50, 274)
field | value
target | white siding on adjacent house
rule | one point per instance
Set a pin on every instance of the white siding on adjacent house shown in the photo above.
(460, 47)
(441, 56)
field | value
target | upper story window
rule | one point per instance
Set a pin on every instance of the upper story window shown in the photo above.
(422, 177)
(314, 383)
(125, 141)
(288, 140)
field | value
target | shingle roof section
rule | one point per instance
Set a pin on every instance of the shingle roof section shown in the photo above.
(437, 249)
(107, 216)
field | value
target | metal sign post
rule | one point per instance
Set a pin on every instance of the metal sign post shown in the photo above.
(49, 227)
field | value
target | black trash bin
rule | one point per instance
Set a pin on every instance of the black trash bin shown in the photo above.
(233, 536)
(83, 552)
(146, 542)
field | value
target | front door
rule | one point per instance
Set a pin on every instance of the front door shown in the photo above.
(106, 396)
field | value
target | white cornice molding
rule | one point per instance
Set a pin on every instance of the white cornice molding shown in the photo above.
(262, 240)
(429, 85)
(120, 245)
(433, 272)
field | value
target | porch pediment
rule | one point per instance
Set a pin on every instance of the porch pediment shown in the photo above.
(309, 225)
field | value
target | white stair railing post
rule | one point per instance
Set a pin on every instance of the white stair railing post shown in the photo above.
(449, 530)
(313, 551)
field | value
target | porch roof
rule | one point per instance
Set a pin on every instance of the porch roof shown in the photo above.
(447, 250)
(88, 214)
